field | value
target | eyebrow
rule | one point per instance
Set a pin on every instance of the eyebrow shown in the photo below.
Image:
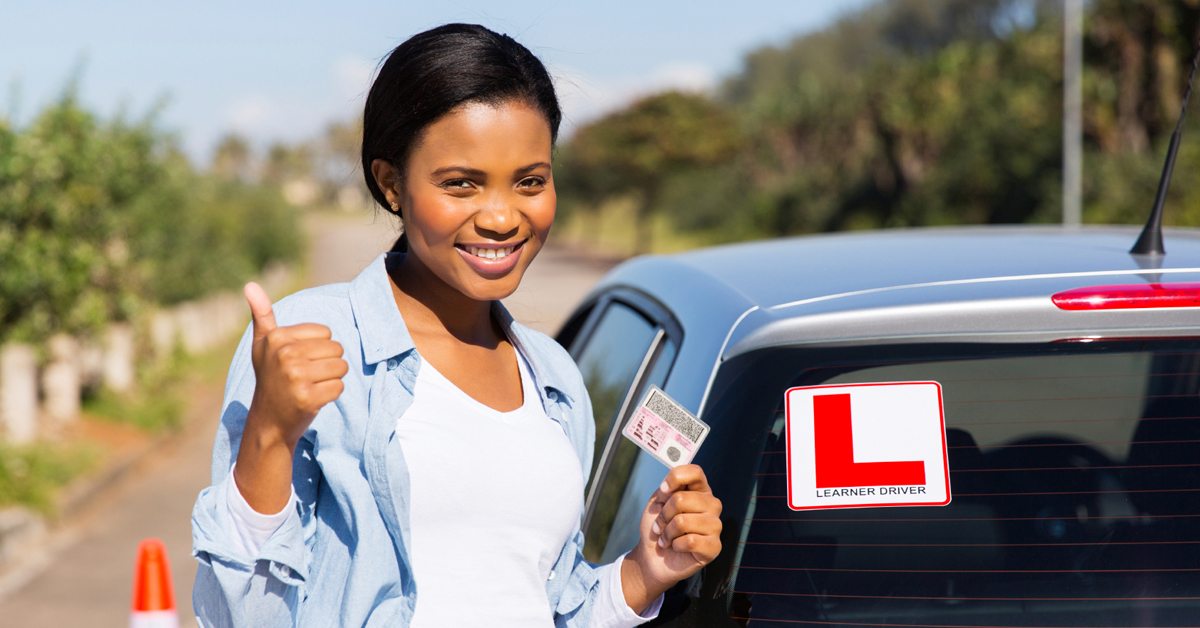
(463, 169)
(533, 166)
(475, 172)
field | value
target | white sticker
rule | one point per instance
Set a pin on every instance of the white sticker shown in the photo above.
(665, 429)
(866, 445)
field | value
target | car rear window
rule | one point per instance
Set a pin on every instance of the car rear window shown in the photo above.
(1074, 471)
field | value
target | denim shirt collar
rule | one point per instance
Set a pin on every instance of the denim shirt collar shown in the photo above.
(385, 336)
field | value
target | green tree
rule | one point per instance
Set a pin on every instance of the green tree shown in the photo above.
(233, 158)
(98, 218)
(64, 248)
(636, 150)
(286, 162)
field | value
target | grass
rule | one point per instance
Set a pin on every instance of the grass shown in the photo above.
(158, 402)
(31, 474)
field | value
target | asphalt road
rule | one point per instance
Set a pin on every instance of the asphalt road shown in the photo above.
(83, 576)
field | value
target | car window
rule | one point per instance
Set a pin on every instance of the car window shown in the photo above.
(1074, 469)
(613, 502)
(609, 360)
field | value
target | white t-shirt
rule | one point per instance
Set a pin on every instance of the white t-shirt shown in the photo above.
(517, 477)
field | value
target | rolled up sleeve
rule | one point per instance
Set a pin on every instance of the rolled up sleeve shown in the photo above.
(611, 610)
(251, 529)
(236, 586)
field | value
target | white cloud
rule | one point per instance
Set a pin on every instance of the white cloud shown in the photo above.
(352, 77)
(265, 119)
(270, 118)
(248, 114)
(585, 98)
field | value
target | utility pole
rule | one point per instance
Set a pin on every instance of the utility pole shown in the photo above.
(1072, 191)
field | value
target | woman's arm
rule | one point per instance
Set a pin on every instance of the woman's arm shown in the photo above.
(232, 588)
(680, 533)
(298, 369)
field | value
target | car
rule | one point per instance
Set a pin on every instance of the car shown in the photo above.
(1068, 371)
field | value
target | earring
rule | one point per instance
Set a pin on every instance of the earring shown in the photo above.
(395, 206)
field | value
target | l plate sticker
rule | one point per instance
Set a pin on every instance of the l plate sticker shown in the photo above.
(665, 429)
(866, 445)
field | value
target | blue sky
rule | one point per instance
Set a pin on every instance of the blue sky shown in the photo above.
(279, 71)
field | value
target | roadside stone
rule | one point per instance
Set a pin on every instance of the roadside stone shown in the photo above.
(91, 364)
(118, 358)
(18, 393)
(61, 382)
(164, 333)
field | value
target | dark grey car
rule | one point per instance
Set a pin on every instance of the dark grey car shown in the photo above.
(1072, 423)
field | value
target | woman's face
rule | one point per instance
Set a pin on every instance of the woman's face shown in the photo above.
(477, 196)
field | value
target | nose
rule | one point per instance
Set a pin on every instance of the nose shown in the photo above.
(499, 217)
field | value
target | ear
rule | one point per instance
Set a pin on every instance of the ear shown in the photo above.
(387, 177)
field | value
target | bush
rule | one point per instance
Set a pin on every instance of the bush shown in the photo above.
(29, 474)
(98, 218)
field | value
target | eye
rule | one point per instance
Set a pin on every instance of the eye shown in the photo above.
(457, 184)
(531, 182)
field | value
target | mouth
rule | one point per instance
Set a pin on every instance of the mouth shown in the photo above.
(489, 258)
(489, 253)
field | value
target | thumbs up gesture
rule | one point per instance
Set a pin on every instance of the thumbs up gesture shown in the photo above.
(298, 369)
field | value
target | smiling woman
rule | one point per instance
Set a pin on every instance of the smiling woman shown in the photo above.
(402, 428)
(477, 190)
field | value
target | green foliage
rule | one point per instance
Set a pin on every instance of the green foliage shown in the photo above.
(30, 474)
(200, 234)
(635, 150)
(99, 217)
(151, 411)
(159, 402)
(63, 255)
(919, 112)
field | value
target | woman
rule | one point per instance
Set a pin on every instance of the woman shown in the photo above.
(397, 451)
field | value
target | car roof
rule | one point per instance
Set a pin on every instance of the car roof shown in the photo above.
(833, 264)
(957, 283)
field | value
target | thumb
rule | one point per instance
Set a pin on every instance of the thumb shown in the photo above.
(260, 309)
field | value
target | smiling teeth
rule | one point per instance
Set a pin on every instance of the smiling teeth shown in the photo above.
(490, 253)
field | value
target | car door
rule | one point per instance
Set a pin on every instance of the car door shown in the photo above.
(623, 341)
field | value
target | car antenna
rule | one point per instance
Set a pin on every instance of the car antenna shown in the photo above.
(1150, 242)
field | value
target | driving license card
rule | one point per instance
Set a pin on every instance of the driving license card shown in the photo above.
(665, 429)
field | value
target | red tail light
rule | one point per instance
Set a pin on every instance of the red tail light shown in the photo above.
(1130, 297)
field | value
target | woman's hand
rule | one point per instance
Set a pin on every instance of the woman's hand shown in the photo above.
(680, 533)
(297, 370)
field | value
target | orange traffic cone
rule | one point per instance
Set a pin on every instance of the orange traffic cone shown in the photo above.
(153, 595)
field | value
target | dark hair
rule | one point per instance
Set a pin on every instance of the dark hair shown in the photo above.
(434, 72)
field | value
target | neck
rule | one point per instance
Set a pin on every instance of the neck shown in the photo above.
(430, 305)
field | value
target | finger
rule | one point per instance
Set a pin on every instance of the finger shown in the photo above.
(331, 368)
(260, 310)
(317, 349)
(704, 548)
(686, 477)
(686, 502)
(325, 392)
(309, 331)
(689, 523)
(653, 507)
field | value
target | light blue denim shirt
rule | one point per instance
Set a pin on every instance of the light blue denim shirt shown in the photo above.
(341, 558)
